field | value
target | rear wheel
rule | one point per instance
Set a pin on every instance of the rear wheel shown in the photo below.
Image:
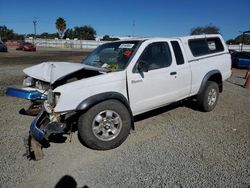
(105, 125)
(209, 97)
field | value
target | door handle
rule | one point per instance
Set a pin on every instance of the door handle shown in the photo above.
(173, 73)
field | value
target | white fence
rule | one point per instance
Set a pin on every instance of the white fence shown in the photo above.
(63, 43)
(238, 47)
(92, 44)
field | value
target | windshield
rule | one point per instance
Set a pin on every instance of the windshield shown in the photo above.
(113, 56)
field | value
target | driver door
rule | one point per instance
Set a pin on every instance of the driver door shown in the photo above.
(156, 86)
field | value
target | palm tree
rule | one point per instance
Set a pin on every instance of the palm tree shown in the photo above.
(60, 26)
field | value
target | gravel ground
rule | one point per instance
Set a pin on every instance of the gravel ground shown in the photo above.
(175, 146)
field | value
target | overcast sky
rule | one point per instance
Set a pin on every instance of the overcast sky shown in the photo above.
(128, 17)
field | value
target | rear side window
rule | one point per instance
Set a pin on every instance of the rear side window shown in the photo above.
(215, 45)
(207, 46)
(177, 52)
(198, 47)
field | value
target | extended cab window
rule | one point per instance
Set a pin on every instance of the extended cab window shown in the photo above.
(157, 55)
(177, 52)
(207, 46)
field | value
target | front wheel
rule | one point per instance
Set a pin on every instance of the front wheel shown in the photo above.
(209, 97)
(105, 125)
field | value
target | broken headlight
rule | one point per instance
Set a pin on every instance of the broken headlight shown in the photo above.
(28, 82)
(31, 82)
(41, 85)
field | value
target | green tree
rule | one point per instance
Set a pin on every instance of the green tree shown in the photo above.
(8, 34)
(69, 33)
(239, 39)
(230, 41)
(209, 29)
(46, 35)
(108, 38)
(60, 26)
(84, 33)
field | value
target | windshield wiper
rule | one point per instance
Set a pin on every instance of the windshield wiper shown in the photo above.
(106, 67)
(100, 69)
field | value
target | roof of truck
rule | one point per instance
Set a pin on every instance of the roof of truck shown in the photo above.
(177, 37)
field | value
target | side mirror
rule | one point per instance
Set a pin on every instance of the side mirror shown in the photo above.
(142, 66)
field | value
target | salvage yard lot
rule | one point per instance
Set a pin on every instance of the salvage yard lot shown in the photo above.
(175, 146)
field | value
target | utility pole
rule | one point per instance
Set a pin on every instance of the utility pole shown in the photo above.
(35, 23)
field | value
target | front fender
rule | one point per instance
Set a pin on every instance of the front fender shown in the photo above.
(73, 93)
(95, 99)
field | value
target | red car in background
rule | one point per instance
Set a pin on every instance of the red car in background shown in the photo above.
(26, 46)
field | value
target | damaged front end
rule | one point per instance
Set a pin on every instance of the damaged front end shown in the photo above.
(46, 122)
(39, 86)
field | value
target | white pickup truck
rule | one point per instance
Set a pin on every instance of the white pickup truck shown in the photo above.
(119, 80)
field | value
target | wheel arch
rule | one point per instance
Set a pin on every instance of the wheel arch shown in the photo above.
(215, 76)
(86, 104)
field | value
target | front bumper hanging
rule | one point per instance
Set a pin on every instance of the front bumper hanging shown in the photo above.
(40, 130)
(36, 132)
(25, 94)
(41, 127)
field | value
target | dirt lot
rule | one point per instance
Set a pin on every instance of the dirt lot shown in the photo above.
(176, 146)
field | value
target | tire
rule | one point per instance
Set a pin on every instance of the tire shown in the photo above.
(104, 126)
(209, 97)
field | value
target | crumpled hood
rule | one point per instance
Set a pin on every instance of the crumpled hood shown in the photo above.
(51, 71)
